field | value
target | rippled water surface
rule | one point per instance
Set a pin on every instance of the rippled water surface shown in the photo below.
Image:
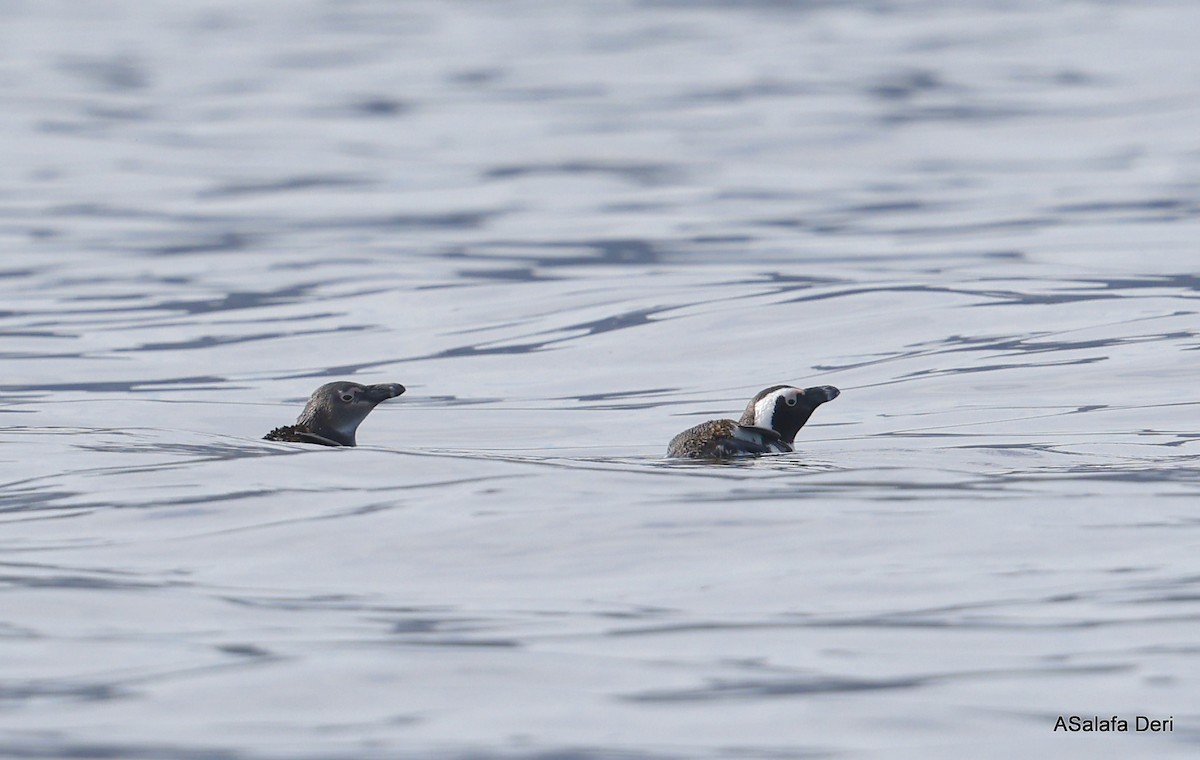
(573, 230)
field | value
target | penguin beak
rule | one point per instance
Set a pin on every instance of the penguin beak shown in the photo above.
(822, 393)
(383, 391)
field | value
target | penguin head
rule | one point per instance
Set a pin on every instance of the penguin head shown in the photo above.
(785, 409)
(335, 410)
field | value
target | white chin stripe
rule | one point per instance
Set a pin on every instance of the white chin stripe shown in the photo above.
(764, 411)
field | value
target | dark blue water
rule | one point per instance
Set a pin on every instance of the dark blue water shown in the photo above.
(572, 231)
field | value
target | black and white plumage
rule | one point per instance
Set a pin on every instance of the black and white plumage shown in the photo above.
(334, 412)
(768, 426)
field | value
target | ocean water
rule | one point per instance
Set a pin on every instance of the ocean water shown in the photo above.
(573, 230)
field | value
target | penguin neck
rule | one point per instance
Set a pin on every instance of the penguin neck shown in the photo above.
(319, 423)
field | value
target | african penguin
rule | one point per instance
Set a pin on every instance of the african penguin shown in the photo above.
(333, 413)
(768, 426)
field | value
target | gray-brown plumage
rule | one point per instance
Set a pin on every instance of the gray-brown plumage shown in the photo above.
(768, 426)
(334, 412)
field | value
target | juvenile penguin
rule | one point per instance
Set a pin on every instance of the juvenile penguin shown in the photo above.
(333, 413)
(768, 426)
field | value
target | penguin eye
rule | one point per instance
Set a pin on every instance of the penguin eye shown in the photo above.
(791, 400)
(347, 397)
